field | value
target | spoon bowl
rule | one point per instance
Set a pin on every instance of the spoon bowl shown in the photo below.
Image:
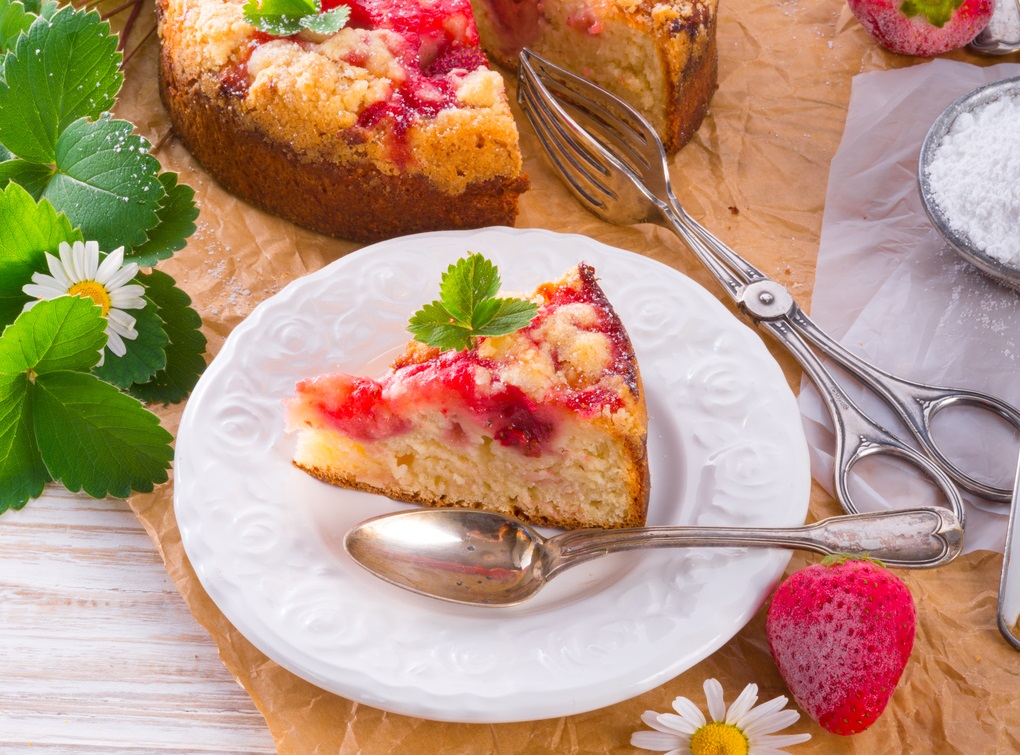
(483, 558)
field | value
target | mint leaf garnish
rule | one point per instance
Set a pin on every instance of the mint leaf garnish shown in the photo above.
(60, 70)
(176, 215)
(329, 22)
(106, 181)
(184, 362)
(27, 230)
(145, 354)
(97, 439)
(468, 308)
(286, 17)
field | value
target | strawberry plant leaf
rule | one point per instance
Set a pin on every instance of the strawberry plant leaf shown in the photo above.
(435, 326)
(467, 282)
(27, 230)
(5, 154)
(505, 316)
(184, 361)
(176, 214)
(22, 472)
(61, 69)
(65, 333)
(33, 177)
(106, 182)
(13, 21)
(145, 354)
(94, 438)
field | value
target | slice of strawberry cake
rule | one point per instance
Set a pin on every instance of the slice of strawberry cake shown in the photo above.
(546, 423)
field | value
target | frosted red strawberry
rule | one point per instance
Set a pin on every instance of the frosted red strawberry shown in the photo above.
(923, 27)
(841, 632)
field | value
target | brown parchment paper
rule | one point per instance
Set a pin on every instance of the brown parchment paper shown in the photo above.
(756, 175)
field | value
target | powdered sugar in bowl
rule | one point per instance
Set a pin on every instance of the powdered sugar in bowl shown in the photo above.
(969, 174)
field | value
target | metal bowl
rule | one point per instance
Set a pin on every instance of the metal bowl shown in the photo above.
(987, 264)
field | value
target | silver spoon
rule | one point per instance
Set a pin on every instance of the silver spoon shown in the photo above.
(482, 558)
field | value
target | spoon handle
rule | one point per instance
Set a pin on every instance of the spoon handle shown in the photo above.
(910, 538)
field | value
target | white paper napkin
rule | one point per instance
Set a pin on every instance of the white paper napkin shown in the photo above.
(891, 290)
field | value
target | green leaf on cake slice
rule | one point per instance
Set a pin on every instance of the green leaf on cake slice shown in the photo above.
(286, 17)
(176, 216)
(184, 360)
(61, 69)
(28, 229)
(87, 434)
(468, 307)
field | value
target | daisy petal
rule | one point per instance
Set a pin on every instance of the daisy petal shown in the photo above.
(651, 718)
(57, 271)
(115, 343)
(781, 740)
(67, 262)
(689, 710)
(122, 276)
(654, 740)
(39, 290)
(680, 724)
(89, 260)
(765, 710)
(714, 696)
(744, 702)
(110, 265)
(771, 723)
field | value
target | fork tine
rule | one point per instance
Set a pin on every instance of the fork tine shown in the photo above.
(595, 173)
(583, 172)
(615, 124)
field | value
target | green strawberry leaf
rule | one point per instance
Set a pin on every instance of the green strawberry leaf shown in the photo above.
(106, 182)
(44, 8)
(13, 21)
(22, 472)
(177, 214)
(329, 22)
(5, 154)
(937, 12)
(468, 308)
(34, 177)
(184, 361)
(62, 334)
(145, 355)
(60, 70)
(27, 230)
(97, 439)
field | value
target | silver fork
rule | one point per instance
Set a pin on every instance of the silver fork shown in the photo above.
(615, 164)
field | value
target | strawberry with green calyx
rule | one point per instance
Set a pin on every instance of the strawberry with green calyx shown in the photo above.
(924, 28)
(841, 632)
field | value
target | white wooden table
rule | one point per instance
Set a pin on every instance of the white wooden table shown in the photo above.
(98, 651)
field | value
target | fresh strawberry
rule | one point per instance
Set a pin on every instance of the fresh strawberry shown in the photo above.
(841, 632)
(923, 27)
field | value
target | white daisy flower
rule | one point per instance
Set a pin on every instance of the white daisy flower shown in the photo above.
(741, 730)
(79, 273)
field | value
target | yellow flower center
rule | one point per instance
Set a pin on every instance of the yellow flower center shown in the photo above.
(92, 290)
(717, 738)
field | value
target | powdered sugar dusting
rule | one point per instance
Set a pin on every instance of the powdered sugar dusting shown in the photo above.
(975, 177)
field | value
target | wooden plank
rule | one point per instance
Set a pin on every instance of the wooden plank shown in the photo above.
(99, 652)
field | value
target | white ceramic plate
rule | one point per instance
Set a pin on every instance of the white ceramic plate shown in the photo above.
(725, 445)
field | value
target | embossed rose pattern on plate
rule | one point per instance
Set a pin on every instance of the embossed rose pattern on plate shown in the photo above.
(725, 447)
